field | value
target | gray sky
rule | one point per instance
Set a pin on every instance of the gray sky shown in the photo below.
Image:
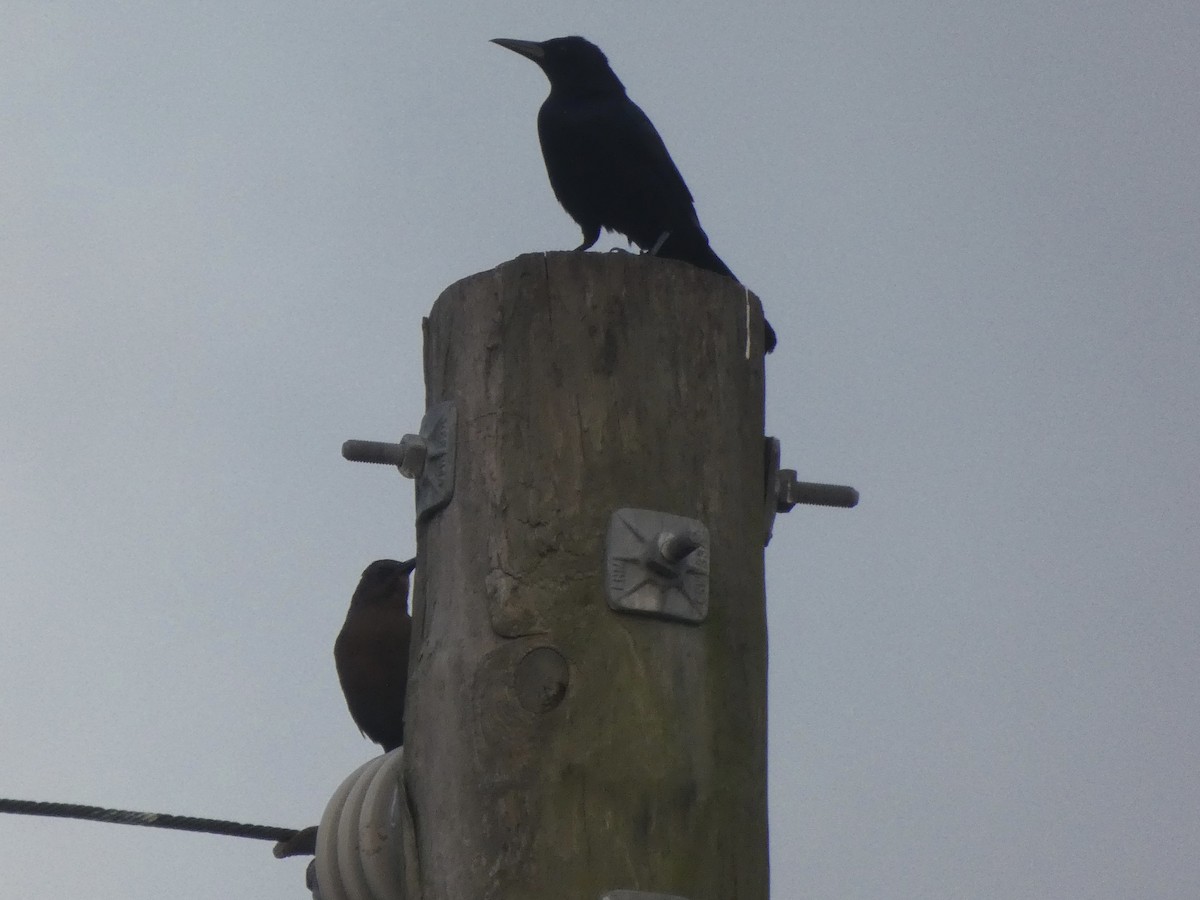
(976, 228)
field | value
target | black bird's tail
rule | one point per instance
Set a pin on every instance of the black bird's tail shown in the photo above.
(696, 250)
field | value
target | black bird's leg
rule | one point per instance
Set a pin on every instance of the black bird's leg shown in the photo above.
(662, 239)
(591, 234)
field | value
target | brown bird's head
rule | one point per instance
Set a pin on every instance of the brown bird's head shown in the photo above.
(384, 581)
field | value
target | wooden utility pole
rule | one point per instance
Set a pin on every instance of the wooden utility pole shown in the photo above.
(558, 747)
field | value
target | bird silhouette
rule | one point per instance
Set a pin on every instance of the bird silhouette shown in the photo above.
(371, 651)
(606, 162)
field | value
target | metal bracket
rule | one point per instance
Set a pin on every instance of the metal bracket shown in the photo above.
(772, 452)
(784, 490)
(435, 485)
(427, 458)
(657, 564)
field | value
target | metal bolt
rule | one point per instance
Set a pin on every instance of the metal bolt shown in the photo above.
(427, 457)
(664, 557)
(791, 491)
(408, 456)
(675, 546)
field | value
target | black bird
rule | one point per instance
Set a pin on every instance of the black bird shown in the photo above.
(607, 164)
(371, 651)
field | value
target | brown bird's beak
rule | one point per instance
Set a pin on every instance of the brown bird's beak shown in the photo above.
(408, 565)
(529, 49)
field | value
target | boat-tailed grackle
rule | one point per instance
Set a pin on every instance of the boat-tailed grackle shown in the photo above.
(607, 164)
(371, 651)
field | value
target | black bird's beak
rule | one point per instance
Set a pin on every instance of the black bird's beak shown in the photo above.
(529, 49)
(408, 565)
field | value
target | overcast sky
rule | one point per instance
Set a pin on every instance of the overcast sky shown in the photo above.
(976, 228)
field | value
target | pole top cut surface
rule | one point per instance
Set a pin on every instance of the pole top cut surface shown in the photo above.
(690, 299)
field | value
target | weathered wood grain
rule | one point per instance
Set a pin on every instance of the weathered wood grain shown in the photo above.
(556, 748)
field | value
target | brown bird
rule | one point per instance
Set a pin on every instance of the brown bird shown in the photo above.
(371, 651)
